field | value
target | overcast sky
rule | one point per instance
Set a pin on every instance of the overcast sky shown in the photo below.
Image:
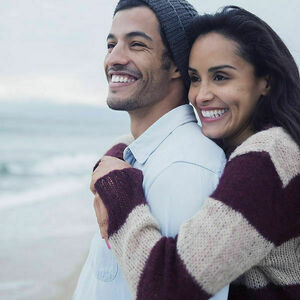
(53, 50)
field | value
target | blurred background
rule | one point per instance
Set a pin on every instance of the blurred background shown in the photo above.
(54, 126)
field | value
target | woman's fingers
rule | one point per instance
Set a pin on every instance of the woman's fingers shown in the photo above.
(102, 217)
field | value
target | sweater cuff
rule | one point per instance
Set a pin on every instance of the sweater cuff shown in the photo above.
(116, 151)
(121, 191)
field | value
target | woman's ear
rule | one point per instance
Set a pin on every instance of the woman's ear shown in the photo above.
(267, 85)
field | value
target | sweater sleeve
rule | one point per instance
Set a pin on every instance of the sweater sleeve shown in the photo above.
(115, 151)
(242, 221)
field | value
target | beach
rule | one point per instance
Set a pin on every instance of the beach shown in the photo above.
(46, 209)
(38, 259)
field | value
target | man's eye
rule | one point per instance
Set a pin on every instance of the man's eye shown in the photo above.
(110, 45)
(137, 44)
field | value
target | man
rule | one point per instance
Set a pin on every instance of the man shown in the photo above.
(146, 68)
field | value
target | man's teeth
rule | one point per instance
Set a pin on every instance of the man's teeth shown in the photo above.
(213, 113)
(119, 78)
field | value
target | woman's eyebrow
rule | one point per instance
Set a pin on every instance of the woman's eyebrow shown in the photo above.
(192, 69)
(213, 69)
(216, 68)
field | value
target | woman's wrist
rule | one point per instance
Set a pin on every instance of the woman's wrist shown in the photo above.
(116, 151)
(121, 191)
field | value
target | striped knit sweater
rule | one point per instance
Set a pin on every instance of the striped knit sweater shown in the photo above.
(247, 233)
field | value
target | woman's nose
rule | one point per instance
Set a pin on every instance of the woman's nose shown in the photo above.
(204, 95)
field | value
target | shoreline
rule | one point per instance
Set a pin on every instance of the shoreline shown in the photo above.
(67, 285)
(43, 269)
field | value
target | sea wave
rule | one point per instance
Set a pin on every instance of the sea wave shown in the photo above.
(50, 190)
(76, 164)
(63, 164)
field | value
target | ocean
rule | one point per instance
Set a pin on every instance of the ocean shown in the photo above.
(47, 153)
(46, 150)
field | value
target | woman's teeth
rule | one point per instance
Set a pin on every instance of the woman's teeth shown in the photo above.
(121, 78)
(213, 113)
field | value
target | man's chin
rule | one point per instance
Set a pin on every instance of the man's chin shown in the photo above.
(121, 104)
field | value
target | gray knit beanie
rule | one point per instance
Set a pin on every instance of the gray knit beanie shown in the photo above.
(174, 17)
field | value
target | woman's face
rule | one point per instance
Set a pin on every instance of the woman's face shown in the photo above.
(224, 89)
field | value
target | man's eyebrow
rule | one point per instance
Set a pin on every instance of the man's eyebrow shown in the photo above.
(139, 33)
(212, 69)
(110, 36)
(132, 34)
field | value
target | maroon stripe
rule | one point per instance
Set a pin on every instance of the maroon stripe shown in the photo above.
(270, 292)
(251, 185)
(166, 277)
(121, 191)
(115, 151)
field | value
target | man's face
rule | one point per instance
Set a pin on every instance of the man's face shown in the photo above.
(136, 71)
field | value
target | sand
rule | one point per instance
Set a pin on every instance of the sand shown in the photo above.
(43, 247)
(43, 270)
(68, 284)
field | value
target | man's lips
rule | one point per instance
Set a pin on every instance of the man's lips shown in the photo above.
(115, 78)
(121, 79)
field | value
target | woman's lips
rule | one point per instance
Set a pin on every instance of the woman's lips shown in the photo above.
(214, 114)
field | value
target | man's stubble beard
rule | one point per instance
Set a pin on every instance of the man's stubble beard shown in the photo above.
(131, 103)
(145, 93)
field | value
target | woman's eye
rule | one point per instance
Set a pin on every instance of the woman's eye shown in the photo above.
(220, 77)
(194, 78)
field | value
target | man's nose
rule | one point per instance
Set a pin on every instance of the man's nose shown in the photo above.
(117, 56)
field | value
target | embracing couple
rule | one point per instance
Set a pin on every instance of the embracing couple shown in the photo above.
(190, 212)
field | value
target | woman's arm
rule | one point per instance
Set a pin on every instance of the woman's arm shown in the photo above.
(243, 220)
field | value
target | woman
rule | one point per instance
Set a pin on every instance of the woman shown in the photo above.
(245, 88)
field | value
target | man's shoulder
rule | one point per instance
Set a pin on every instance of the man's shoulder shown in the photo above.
(187, 144)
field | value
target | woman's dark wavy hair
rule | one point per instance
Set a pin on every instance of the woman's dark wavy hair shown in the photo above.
(263, 48)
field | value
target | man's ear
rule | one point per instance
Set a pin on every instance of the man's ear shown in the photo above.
(174, 71)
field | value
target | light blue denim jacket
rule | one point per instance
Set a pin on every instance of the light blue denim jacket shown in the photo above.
(181, 169)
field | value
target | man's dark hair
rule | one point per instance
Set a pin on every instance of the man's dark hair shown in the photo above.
(167, 54)
(126, 4)
(173, 16)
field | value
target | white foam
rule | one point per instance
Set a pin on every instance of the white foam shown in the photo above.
(44, 192)
(16, 285)
(66, 164)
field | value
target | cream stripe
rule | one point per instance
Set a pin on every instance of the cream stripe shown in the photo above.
(280, 267)
(132, 248)
(254, 278)
(284, 152)
(217, 245)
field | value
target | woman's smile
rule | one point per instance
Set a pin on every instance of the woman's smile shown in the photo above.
(213, 114)
(224, 89)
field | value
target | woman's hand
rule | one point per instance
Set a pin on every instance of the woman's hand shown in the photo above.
(106, 165)
(102, 217)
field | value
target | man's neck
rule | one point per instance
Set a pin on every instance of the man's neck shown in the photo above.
(142, 119)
